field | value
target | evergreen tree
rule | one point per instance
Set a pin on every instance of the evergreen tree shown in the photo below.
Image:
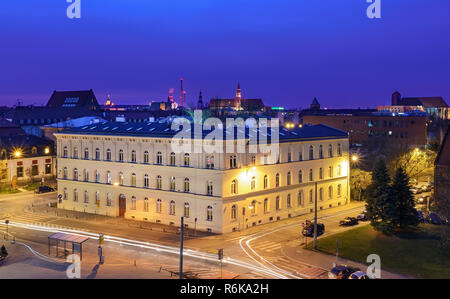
(405, 213)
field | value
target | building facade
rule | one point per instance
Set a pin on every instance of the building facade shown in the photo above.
(130, 170)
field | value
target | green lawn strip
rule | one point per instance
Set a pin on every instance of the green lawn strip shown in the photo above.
(9, 191)
(415, 254)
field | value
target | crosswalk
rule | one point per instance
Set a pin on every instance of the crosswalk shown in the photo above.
(266, 246)
(298, 267)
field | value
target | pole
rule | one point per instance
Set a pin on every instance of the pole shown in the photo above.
(315, 217)
(337, 249)
(181, 248)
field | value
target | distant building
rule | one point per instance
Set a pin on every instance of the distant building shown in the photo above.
(8, 128)
(49, 130)
(442, 173)
(237, 104)
(73, 99)
(435, 106)
(364, 125)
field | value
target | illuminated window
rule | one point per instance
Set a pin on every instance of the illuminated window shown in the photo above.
(186, 185)
(253, 183)
(234, 187)
(234, 212)
(172, 184)
(209, 213)
(158, 206)
(146, 157)
(133, 203)
(146, 205)
(158, 182)
(133, 156)
(186, 210)
(146, 181)
(172, 208)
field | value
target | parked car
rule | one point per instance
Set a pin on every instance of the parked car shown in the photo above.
(359, 275)
(434, 218)
(349, 221)
(342, 272)
(362, 217)
(308, 230)
(44, 189)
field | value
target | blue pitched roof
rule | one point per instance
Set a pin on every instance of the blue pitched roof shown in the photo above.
(163, 130)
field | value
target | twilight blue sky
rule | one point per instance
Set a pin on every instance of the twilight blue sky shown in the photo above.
(284, 51)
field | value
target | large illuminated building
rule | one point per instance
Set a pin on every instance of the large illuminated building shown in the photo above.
(130, 170)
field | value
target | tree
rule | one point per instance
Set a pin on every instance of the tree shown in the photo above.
(405, 213)
(416, 163)
(359, 181)
(379, 205)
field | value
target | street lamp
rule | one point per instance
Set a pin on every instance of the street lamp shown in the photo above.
(17, 154)
(355, 158)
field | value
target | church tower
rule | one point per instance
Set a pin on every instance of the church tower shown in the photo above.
(200, 101)
(238, 97)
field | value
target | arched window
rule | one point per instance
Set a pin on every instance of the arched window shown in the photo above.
(320, 173)
(266, 205)
(186, 210)
(320, 152)
(209, 213)
(310, 196)
(121, 155)
(172, 208)
(159, 158)
(75, 195)
(321, 194)
(266, 181)
(146, 204)
(97, 176)
(86, 153)
(330, 151)
(300, 198)
(186, 185)
(65, 153)
(300, 156)
(65, 173)
(133, 180)
(97, 154)
(108, 155)
(210, 162)
(133, 156)
(339, 170)
(253, 208)
(75, 174)
(311, 153)
(233, 161)
(330, 192)
(300, 176)
(172, 159)
(121, 178)
(108, 177)
(234, 212)
(277, 203)
(288, 201)
(253, 183)
(187, 160)
(209, 188)
(86, 175)
(65, 194)
(172, 183)
(75, 152)
(146, 157)
(34, 150)
(97, 198)
(289, 178)
(133, 203)
(277, 180)
(146, 181)
(311, 177)
(108, 199)
(339, 190)
(86, 196)
(158, 206)
(158, 182)
(330, 171)
(234, 187)
(339, 150)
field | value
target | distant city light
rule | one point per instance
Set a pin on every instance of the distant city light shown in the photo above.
(277, 108)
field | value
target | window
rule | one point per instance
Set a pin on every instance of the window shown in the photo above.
(330, 192)
(277, 203)
(300, 176)
(233, 161)
(310, 196)
(277, 180)
(339, 190)
(330, 151)
(108, 199)
(159, 158)
(186, 210)
(234, 187)
(146, 181)
(266, 205)
(172, 159)
(339, 150)
(133, 203)
(158, 206)
(320, 152)
(253, 183)
(172, 184)
(330, 171)
(120, 155)
(288, 201)
(108, 155)
(34, 170)
(266, 182)
(172, 208)
(289, 178)
(339, 170)
(210, 162)
(86, 154)
(234, 212)
(146, 157)
(158, 182)
(133, 156)
(75, 195)
(209, 188)
(320, 173)
(34, 150)
(311, 177)
(86, 196)
(253, 160)
(65, 173)
(97, 176)
(289, 159)
(133, 180)
(209, 213)
(300, 156)
(146, 206)
(187, 160)
(65, 154)
(253, 208)
(186, 185)
(97, 154)
(321, 194)
(121, 178)
(86, 175)
(75, 153)
(97, 198)
(300, 198)
(108, 177)
(65, 194)
(48, 168)
(311, 153)
(75, 174)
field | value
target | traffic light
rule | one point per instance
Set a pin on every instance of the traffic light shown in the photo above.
(101, 240)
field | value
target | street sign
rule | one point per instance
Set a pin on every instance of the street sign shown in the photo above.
(220, 254)
(59, 196)
(6, 221)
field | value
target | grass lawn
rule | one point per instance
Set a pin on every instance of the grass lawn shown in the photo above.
(9, 191)
(32, 186)
(416, 254)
